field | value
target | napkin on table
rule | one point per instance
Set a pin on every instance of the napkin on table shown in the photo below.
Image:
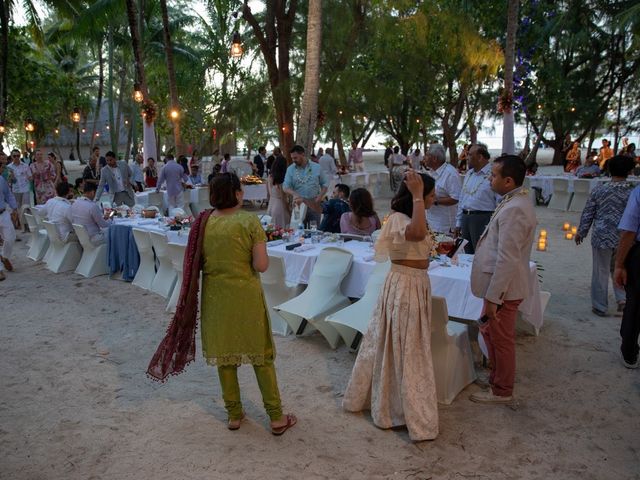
(303, 248)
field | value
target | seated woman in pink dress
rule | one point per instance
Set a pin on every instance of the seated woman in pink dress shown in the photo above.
(362, 219)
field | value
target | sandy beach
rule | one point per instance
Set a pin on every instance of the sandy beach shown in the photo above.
(75, 402)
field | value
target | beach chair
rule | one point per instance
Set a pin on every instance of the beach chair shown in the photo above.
(322, 296)
(94, 257)
(61, 256)
(451, 353)
(277, 291)
(352, 322)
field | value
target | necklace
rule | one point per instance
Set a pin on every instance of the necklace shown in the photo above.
(506, 199)
(304, 176)
(477, 186)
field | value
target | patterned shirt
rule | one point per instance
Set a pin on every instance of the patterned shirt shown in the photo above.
(604, 209)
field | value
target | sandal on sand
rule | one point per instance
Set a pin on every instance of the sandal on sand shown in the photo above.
(291, 421)
(235, 424)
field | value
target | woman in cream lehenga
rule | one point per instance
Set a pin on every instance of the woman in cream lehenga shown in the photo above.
(393, 374)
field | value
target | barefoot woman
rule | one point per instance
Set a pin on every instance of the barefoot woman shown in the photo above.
(228, 245)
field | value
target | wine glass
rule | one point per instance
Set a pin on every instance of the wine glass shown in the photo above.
(369, 241)
(313, 225)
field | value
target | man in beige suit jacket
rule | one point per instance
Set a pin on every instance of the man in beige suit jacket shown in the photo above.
(500, 273)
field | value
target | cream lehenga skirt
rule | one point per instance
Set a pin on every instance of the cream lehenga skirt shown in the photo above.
(393, 374)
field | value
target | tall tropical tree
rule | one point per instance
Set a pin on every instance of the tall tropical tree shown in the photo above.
(508, 139)
(309, 112)
(171, 71)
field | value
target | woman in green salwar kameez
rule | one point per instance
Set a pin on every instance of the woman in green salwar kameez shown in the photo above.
(235, 325)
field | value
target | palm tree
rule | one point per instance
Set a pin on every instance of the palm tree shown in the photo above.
(309, 111)
(508, 140)
(173, 90)
(149, 137)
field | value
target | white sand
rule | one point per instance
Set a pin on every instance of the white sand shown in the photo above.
(70, 410)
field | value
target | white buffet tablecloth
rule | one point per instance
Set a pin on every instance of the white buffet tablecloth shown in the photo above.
(545, 182)
(190, 196)
(451, 282)
(255, 192)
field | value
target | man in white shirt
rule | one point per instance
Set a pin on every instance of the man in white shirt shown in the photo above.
(22, 187)
(416, 159)
(136, 173)
(328, 164)
(442, 215)
(356, 157)
(477, 199)
(85, 211)
(56, 210)
(117, 175)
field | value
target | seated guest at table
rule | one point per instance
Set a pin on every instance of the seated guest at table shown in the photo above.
(117, 175)
(56, 210)
(278, 207)
(233, 332)
(477, 199)
(137, 174)
(362, 219)
(589, 170)
(627, 274)
(195, 178)
(334, 208)
(399, 335)
(500, 274)
(442, 217)
(151, 173)
(216, 171)
(603, 210)
(573, 158)
(85, 211)
(174, 175)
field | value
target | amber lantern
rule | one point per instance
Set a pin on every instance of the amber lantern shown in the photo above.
(236, 46)
(137, 93)
(75, 116)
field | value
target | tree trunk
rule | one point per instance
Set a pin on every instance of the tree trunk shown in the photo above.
(115, 126)
(112, 127)
(78, 144)
(508, 140)
(96, 116)
(309, 113)
(341, 156)
(533, 154)
(275, 39)
(173, 88)
(4, 62)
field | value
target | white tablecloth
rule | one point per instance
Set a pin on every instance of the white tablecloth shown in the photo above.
(545, 182)
(451, 282)
(190, 196)
(255, 192)
(153, 225)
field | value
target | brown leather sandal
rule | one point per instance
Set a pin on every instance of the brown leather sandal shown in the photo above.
(291, 421)
(235, 424)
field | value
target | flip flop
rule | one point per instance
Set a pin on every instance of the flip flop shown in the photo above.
(291, 421)
(235, 424)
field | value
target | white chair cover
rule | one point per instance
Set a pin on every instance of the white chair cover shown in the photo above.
(176, 252)
(39, 239)
(166, 276)
(62, 256)
(94, 257)
(451, 353)
(561, 197)
(277, 291)
(147, 269)
(322, 297)
(355, 318)
(580, 195)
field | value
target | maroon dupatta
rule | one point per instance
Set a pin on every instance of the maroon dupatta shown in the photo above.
(178, 347)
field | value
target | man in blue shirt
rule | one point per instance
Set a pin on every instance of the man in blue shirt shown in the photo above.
(627, 273)
(334, 208)
(7, 231)
(306, 182)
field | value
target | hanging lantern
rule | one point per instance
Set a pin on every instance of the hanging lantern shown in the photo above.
(236, 46)
(2, 129)
(29, 125)
(137, 93)
(174, 114)
(75, 116)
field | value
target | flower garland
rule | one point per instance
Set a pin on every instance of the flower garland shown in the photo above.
(149, 111)
(505, 102)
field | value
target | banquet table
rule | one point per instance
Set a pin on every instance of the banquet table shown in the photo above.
(190, 196)
(453, 282)
(545, 182)
(255, 192)
(122, 252)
